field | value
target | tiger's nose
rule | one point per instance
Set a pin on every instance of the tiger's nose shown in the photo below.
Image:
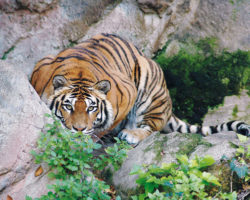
(79, 128)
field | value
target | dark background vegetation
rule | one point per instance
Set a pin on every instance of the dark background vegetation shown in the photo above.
(201, 78)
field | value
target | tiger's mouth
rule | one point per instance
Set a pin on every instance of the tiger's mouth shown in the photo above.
(88, 132)
(85, 132)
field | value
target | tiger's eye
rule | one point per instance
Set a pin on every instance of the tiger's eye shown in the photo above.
(91, 108)
(69, 107)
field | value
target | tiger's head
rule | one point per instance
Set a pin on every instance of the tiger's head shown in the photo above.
(82, 106)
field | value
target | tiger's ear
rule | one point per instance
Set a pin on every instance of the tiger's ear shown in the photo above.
(103, 86)
(59, 81)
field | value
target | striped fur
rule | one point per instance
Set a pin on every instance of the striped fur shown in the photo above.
(105, 85)
(175, 124)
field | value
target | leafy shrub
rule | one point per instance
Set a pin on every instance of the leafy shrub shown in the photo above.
(239, 164)
(70, 156)
(182, 180)
(199, 77)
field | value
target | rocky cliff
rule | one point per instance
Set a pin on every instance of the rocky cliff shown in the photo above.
(31, 30)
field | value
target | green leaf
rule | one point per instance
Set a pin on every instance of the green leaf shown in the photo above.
(168, 184)
(224, 158)
(135, 170)
(134, 198)
(206, 161)
(28, 198)
(183, 159)
(72, 168)
(232, 164)
(118, 198)
(210, 178)
(53, 153)
(241, 150)
(241, 171)
(229, 196)
(242, 138)
(51, 175)
(235, 146)
(47, 115)
(142, 196)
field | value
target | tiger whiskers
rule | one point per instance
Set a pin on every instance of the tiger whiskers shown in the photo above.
(96, 138)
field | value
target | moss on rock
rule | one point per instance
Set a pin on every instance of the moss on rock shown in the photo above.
(191, 141)
(157, 146)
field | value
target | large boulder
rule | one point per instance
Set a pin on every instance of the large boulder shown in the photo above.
(22, 118)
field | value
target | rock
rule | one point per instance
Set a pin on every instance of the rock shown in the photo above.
(36, 5)
(31, 30)
(162, 148)
(21, 121)
(153, 6)
(8, 5)
(40, 28)
(221, 19)
(233, 108)
(178, 20)
(184, 6)
(148, 32)
(172, 49)
(32, 5)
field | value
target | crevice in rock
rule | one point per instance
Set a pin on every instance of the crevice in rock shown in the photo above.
(6, 53)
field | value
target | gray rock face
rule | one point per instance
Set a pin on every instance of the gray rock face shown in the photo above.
(32, 5)
(150, 24)
(21, 120)
(221, 19)
(135, 22)
(153, 6)
(240, 104)
(31, 30)
(39, 28)
(162, 148)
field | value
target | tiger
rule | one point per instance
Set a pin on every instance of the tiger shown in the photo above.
(106, 85)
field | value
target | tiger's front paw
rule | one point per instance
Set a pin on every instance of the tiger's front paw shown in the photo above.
(244, 129)
(134, 136)
(129, 137)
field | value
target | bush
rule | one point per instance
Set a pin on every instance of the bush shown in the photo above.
(70, 156)
(189, 179)
(182, 180)
(199, 78)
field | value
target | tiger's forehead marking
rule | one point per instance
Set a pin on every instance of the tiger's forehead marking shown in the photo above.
(80, 91)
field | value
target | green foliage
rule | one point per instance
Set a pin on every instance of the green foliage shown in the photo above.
(200, 78)
(116, 154)
(70, 156)
(239, 164)
(183, 180)
(71, 44)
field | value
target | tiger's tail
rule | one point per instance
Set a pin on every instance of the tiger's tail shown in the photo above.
(175, 124)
